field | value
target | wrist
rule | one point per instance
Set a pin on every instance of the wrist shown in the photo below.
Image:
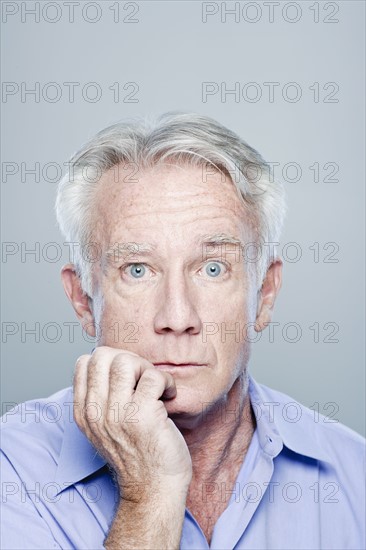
(154, 491)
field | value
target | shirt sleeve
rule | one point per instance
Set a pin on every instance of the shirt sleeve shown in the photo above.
(22, 526)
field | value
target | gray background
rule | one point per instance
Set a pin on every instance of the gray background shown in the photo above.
(169, 52)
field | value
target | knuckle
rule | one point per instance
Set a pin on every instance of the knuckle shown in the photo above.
(119, 376)
(100, 353)
(152, 376)
(97, 355)
(125, 357)
(94, 362)
(81, 359)
(122, 362)
(119, 359)
(117, 369)
(92, 380)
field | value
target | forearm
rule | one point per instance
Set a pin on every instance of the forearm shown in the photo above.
(152, 525)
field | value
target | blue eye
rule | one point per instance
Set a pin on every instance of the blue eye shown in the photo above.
(137, 270)
(213, 269)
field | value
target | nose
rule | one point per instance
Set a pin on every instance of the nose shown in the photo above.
(176, 312)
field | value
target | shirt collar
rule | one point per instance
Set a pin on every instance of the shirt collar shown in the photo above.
(79, 458)
(276, 413)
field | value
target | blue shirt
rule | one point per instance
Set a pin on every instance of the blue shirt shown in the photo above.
(301, 485)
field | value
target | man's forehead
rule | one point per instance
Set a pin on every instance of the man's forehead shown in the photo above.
(172, 183)
(157, 220)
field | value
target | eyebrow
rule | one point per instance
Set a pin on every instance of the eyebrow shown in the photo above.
(211, 245)
(220, 239)
(134, 249)
(124, 250)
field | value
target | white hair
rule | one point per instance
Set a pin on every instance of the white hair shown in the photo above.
(186, 138)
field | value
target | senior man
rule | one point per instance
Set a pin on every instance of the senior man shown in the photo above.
(165, 441)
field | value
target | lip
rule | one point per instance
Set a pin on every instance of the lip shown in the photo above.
(165, 366)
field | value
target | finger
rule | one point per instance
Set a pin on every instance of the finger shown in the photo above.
(170, 389)
(98, 377)
(155, 384)
(80, 388)
(124, 374)
(98, 408)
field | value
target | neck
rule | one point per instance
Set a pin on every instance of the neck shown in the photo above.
(223, 434)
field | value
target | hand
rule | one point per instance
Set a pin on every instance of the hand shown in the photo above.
(118, 406)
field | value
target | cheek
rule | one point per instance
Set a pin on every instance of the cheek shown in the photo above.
(228, 308)
(125, 322)
(229, 327)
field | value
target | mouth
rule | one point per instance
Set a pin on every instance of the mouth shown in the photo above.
(177, 366)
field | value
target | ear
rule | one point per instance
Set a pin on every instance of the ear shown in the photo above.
(78, 298)
(267, 294)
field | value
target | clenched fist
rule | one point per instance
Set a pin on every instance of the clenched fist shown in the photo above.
(118, 404)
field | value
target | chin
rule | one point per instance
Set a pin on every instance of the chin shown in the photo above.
(186, 409)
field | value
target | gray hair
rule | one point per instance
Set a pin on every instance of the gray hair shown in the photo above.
(186, 138)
